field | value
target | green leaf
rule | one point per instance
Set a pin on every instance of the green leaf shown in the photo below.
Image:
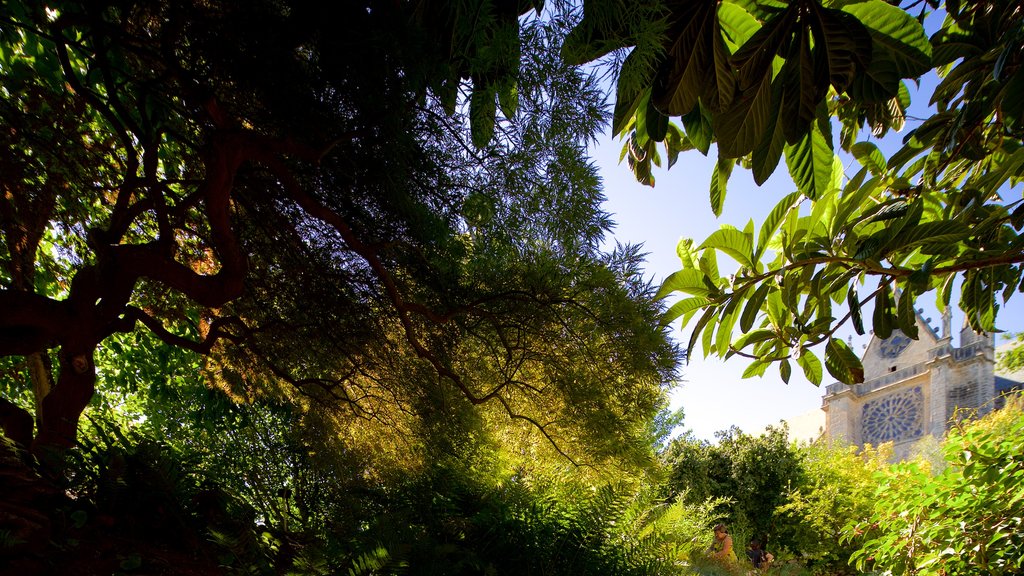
(703, 321)
(655, 123)
(811, 366)
(690, 281)
(683, 307)
(753, 60)
(842, 363)
(766, 155)
(482, 110)
(719, 183)
(944, 232)
(508, 99)
(753, 338)
(896, 32)
(815, 168)
(732, 242)
(773, 220)
(906, 316)
(882, 319)
(853, 300)
(785, 370)
(741, 127)
(756, 368)
(697, 124)
(628, 97)
(869, 156)
(690, 71)
(753, 306)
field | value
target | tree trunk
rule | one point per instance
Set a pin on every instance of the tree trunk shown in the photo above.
(63, 406)
(40, 375)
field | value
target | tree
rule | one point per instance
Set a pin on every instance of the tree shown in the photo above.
(324, 203)
(836, 487)
(753, 473)
(964, 520)
(765, 80)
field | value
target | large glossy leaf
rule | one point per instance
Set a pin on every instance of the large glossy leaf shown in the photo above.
(813, 165)
(842, 44)
(773, 220)
(802, 89)
(896, 32)
(697, 124)
(753, 60)
(883, 317)
(741, 127)
(811, 366)
(753, 306)
(733, 242)
(690, 281)
(689, 68)
(906, 316)
(683, 307)
(869, 156)
(482, 110)
(842, 363)
(719, 183)
(629, 92)
(766, 155)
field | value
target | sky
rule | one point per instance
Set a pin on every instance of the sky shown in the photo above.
(711, 392)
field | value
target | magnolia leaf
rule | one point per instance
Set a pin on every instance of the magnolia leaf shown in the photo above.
(656, 124)
(689, 68)
(947, 232)
(736, 23)
(687, 254)
(753, 60)
(753, 338)
(842, 363)
(508, 99)
(846, 44)
(755, 368)
(703, 321)
(766, 155)
(801, 90)
(629, 94)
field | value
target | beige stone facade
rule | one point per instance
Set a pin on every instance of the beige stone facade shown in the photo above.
(913, 388)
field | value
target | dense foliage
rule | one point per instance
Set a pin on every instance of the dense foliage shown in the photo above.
(966, 519)
(768, 79)
(326, 235)
(318, 288)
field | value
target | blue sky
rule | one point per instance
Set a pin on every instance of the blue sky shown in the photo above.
(712, 393)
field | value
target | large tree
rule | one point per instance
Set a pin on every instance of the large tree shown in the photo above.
(770, 79)
(380, 210)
